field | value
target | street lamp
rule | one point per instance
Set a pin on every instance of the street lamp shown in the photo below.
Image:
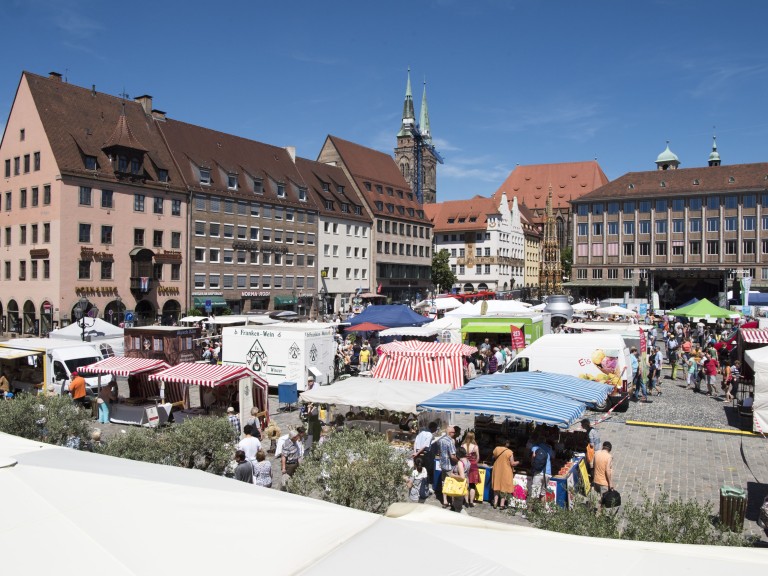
(81, 315)
(409, 295)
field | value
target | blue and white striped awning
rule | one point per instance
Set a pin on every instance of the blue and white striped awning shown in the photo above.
(587, 391)
(522, 404)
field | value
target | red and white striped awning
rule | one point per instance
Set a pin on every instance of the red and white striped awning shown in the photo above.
(434, 362)
(122, 366)
(754, 335)
(206, 374)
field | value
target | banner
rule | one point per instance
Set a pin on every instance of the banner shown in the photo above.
(518, 337)
(746, 284)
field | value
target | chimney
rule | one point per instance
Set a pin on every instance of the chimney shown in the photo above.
(158, 114)
(93, 89)
(54, 76)
(291, 152)
(146, 103)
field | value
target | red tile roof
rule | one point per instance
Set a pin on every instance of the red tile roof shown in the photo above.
(711, 179)
(79, 122)
(569, 180)
(469, 214)
(315, 174)
(370, 168)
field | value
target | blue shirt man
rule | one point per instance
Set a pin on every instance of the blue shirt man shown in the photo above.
(635, 365)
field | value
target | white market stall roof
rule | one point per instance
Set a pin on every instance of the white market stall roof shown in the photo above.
(434, 362)
(206, 374)
(192, 319)
(440, 304)
(342, 539)
(757, 359)
(384, 394)
(122, 366)
(425, 331)
(583, 307)
(494, 308)
(615, 311)
(97, 329)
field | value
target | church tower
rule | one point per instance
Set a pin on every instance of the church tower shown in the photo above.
(667, 160)
(714, 156)
(404, 152)
(551, 272)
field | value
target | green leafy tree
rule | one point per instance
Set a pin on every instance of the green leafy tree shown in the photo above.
(441, 270)
(354, 469)
(52, 419)
(566, 261)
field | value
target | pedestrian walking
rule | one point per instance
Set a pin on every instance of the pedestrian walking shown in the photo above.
(234, 420)
(244, 469)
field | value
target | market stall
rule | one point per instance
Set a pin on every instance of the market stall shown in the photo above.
(758, 360)
(448, 329)
(433, 362)
(518, 415)
(211, 388)
(139, 401)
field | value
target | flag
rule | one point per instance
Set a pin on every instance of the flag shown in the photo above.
(144, 284)
(378, 289)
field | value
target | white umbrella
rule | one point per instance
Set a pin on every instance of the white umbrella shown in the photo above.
(583, 307)
(615, 311)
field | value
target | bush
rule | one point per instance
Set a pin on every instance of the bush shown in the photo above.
(661, 520)
(52, 419)
(203, 443)
(353, 469)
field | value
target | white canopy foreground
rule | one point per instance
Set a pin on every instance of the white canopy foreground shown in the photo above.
(757, 359)
(381, 393)
(118, 532)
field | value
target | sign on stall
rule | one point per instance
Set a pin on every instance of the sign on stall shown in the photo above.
(584, 477)
(245, 393)
(518, 337)
(194, 397)
(153, 418)
(123, 390)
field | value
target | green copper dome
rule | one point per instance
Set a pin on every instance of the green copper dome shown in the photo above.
(667, 156)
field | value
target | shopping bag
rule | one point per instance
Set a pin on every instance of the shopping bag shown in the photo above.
(611, 499)
(453, 487)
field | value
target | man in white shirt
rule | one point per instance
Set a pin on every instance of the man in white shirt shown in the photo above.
(250, 444)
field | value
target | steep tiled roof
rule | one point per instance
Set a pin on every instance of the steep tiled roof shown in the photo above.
(123, 137)
(690, 181)
(195, 147)
(316, 174)
(80, 122)
(528, 221)
(370, 168)
(469, 214)
(569, 180)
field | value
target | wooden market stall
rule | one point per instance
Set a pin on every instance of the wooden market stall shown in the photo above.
(172, 344)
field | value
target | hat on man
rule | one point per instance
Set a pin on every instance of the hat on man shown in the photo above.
(293, 433)
(230, 410)
(74, 373)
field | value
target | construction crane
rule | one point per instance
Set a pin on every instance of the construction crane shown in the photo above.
(420, 143)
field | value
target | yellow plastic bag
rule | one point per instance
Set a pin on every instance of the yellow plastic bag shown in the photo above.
(453, 487)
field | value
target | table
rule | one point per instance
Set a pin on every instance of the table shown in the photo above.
(137, 415)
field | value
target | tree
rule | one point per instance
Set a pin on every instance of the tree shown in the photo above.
(566, 261)
(355, 469)
(441, 271)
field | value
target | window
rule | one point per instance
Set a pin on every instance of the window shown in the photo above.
(678, 225)
(597, 274)
(175, 207)
(34, 269)
(106, 234)
(7, 270)
(22, 234)
(229, 231)
(214, 229)
(694, 203)
(748, 223)
(729, 224)
(661, 205)
(629, 249)
(613, 273)
(266, 234)
(678, 204)
(258, 186)
(106, 270)
(232, 181)
(162, 175)
(16, 166)
(713, 202)
(644, 227)
(694, 248)
(598, 208)
(35, 196)
(85, 196)
(135, 166)
(729, 247)
(644, 206)
(694, 224)
(46, 232)
(34, 234)
(748, 247)
(581, 273)
(213, 280)
(90, 163)
(8, 201)
(157, 205)
(583, 209)
(597, 228)
(612, 249)
(157, 238)
(678, 248)
(644, 248)
(84, 269)
(26, 163)
(731, 202)
(84, 233)
(138, 237)
(46, 195)
(214, 255)
(242, 232)
(713, 247)
(138, 202)
(280, 190)
(199, 280)
(8, 168)
(205, 176)
(597, 249)
(629, 206)
(748, 201)
(215, 204)
(613, 207)
(267, 212)
(713, 224)
(629, 228)
(199, 254)
(229, 256)
(229, 206)
(23, 198)
(613, 228)
(302, 194)
(199, 228)
(661, 248)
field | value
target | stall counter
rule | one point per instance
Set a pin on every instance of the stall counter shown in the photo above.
(137, 415)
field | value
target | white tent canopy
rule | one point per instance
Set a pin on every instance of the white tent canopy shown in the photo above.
(615, 311)
(201, 513)
(96, 329)
(381, 393)
(757, 359)
(440, 304)
(583, 307)
(494, 308)
(427, 330)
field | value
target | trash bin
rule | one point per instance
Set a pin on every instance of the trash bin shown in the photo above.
(733, 508)
(287, 394)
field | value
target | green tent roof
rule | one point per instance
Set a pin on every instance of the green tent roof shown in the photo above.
(702, 309)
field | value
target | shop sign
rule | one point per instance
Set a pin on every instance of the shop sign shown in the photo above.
(276, 370)
(207, 293)
(36, 253)
(255, 294)
(153, 418)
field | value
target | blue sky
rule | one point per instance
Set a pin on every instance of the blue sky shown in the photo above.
(508, 82)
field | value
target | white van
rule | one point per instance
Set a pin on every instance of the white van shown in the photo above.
(33, 363)
(594, 356)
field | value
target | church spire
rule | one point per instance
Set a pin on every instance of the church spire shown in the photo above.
(714, 156)
(409, 116)
(424, 117)
(550, 271)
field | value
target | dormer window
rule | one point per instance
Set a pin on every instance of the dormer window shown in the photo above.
(410, 195)
(663, 184)
(162, 175)
(379, 205)
(345, 207)
(410, 212)
(135, 166)
(205, 176)
(329, 204)
(359, 210)
(695, 181)
(462, 219)
(391, 208)
(473, 219)
(340, 189)
(326, 187)
(379, 189)
(367, 186)
(258, 186)
(731, 179)
(122, 164)
(90, 163)
(390, 192)
(420, 213)
(399, 193)
(232, 181)
(400, 210)
(281, 190)
(451, 220)
(302, 194)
